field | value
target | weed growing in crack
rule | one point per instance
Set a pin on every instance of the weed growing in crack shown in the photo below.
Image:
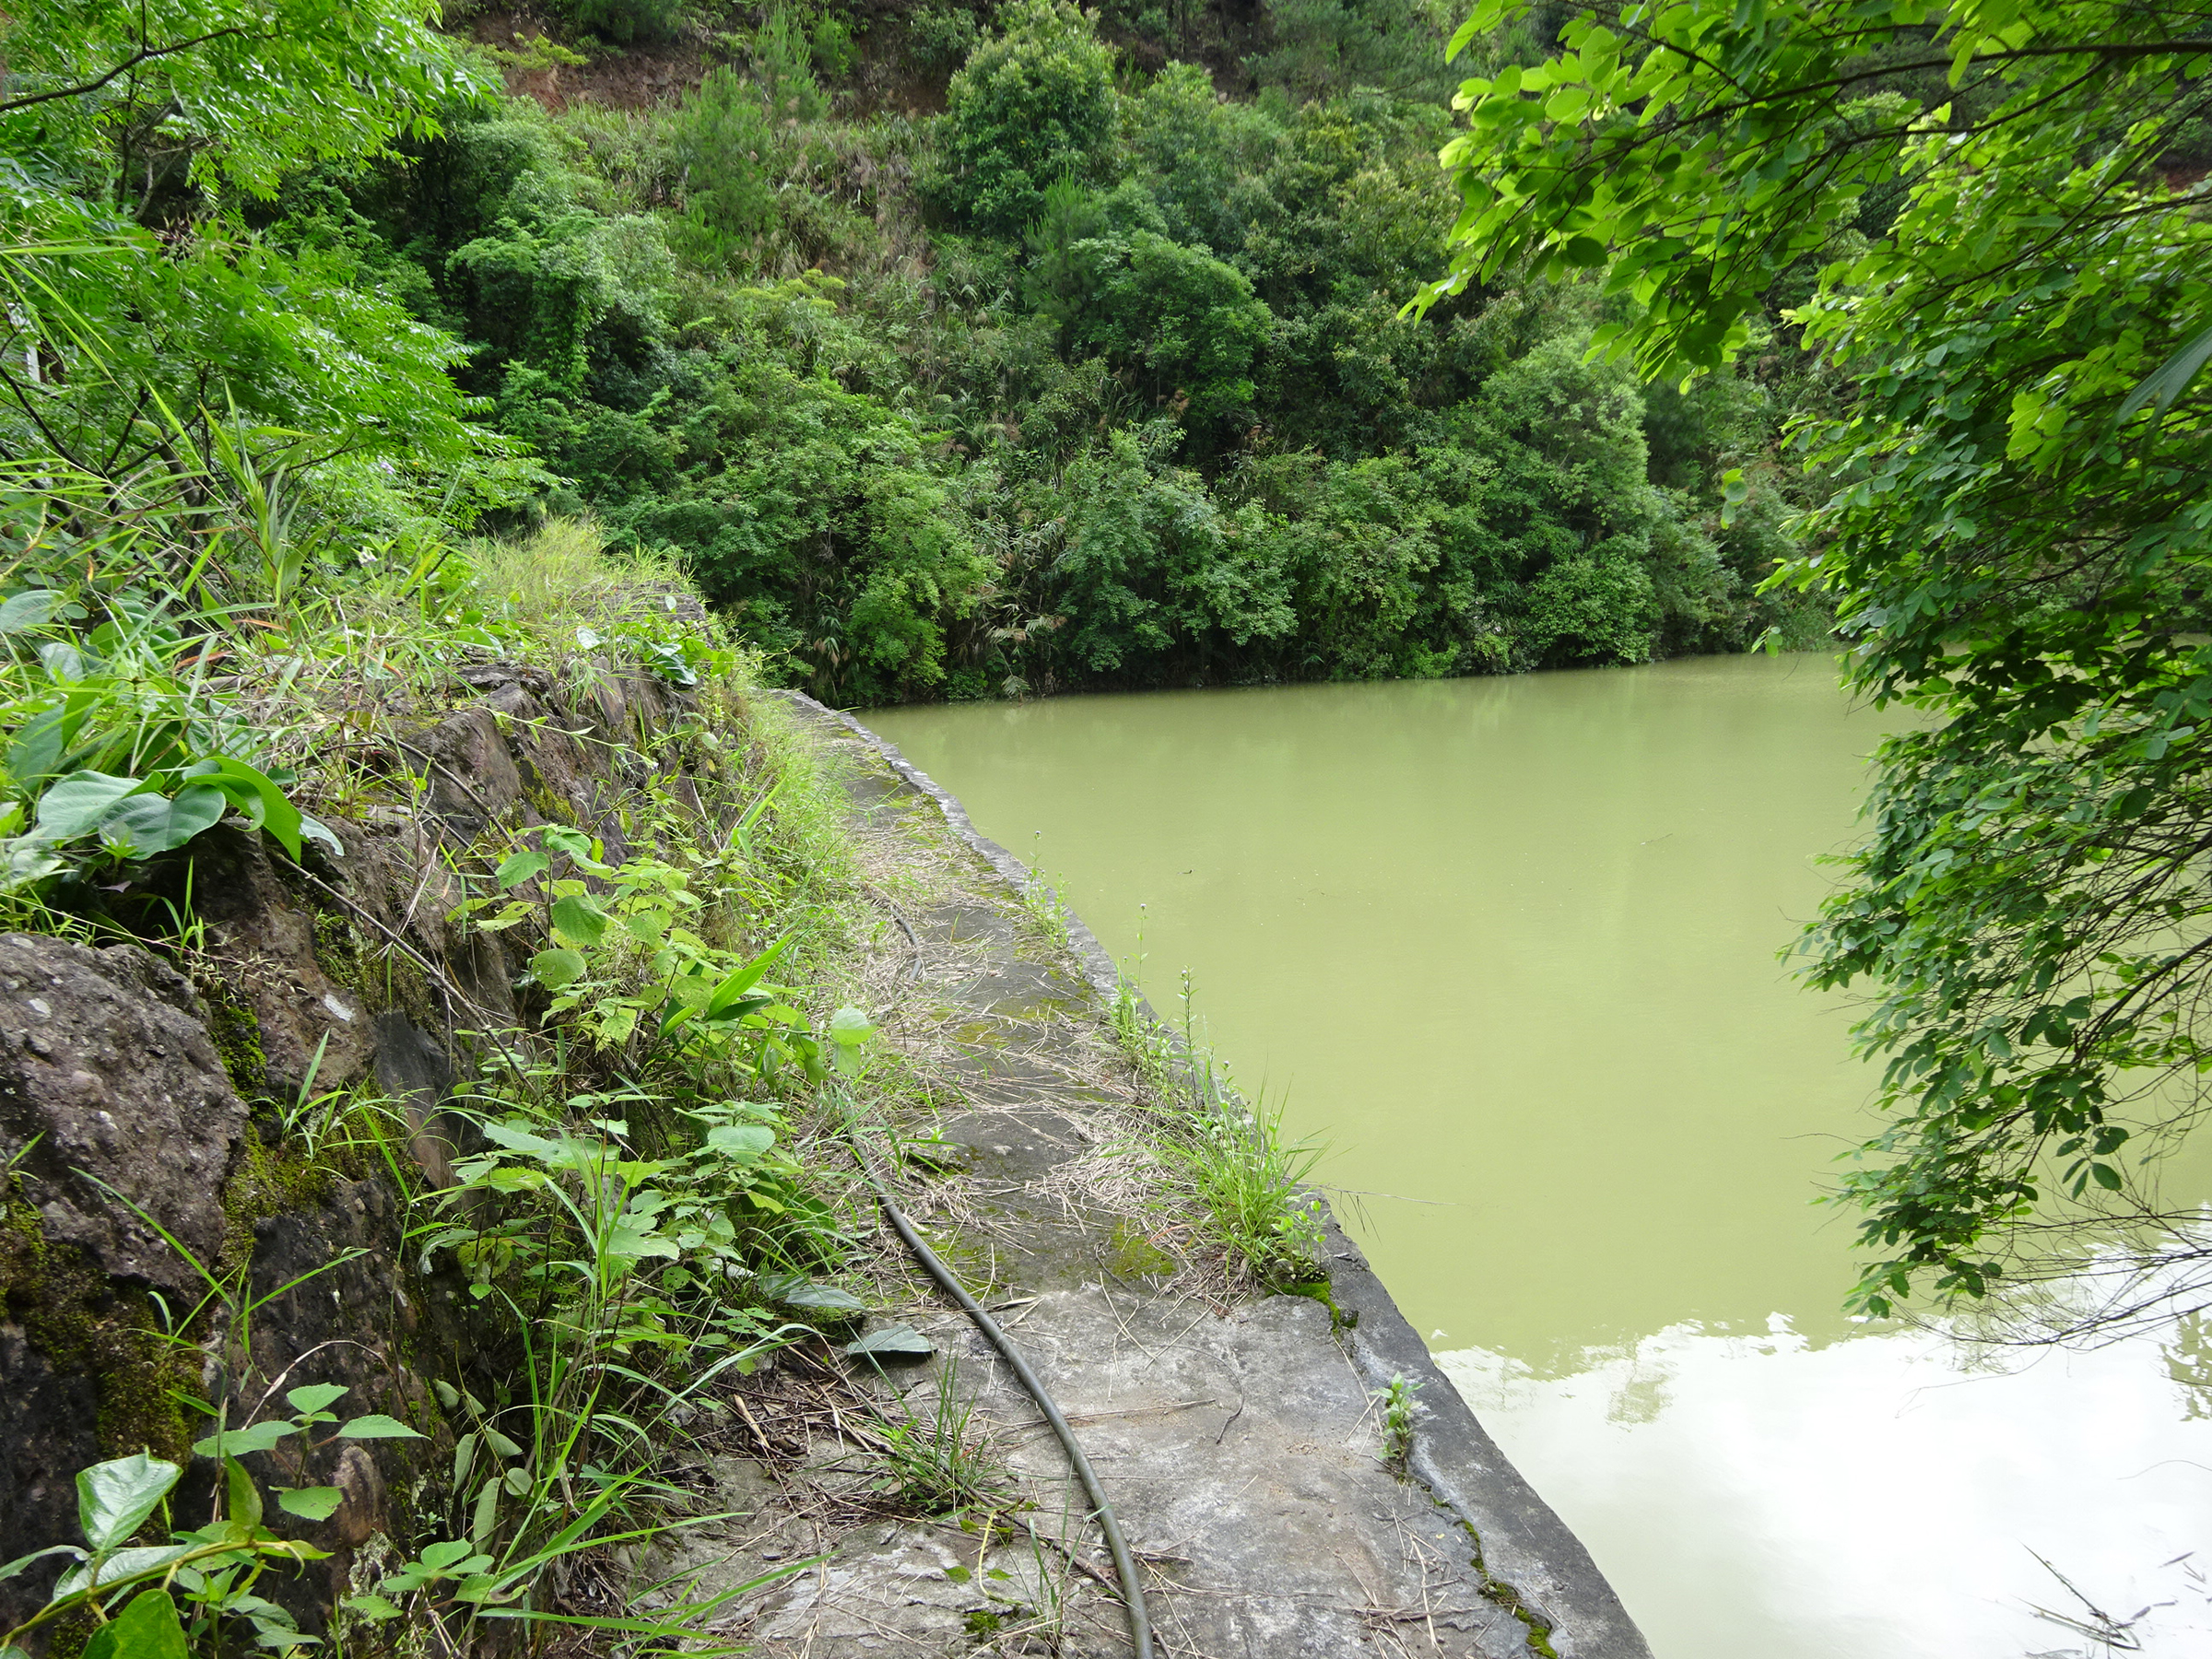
(1226, 1157)
(935, 1462)
(1041, 899)
(1397, 1401)
(1023, 1612)
(1250, 1189)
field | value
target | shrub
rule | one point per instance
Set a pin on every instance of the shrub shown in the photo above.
(1184, 322)
(941, 37)
(626, 20)
(1033, 106)
(726, 141)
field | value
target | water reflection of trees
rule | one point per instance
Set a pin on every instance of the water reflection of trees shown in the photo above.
(2189, 1362)
(2144, 1272)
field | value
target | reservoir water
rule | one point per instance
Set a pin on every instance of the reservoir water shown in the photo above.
(1508, 947)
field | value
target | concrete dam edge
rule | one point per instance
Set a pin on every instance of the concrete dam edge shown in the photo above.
(1522, 1545)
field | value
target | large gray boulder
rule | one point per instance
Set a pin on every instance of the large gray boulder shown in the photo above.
(109, 1087)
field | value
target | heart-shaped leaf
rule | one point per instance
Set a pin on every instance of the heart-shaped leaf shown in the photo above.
(318, 1396)
(143, 825)
(744, 1142)
(516, 1139)
(256, 794)
(376, 1425)
(556, 970)
(578, 919)
(574, 843)
(795, 1290)
(146, 1628)
(114, 1499)
(237, 1443)
(75, 804)
(310, 1503)
(521, 867)
(893, 1342)
(438, 1557)
(122, 1565)
(633, 1243)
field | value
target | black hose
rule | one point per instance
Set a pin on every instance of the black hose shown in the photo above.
(1125, 1566)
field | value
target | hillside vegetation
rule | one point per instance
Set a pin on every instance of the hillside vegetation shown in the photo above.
(956, 353)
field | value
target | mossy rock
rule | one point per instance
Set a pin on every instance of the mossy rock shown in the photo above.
(270, 1181)
(83, 1323)
(236, 1034)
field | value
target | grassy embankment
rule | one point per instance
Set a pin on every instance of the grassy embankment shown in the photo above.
(652, 1196)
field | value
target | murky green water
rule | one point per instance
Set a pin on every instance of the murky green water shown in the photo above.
(1509, 945)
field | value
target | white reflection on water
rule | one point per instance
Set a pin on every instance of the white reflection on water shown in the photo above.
(1871, 1499)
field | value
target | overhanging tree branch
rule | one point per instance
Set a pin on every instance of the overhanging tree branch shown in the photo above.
(145, 56)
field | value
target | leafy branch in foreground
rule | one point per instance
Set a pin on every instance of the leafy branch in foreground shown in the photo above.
(118, 747)
(1694, 152)
(239, 90)
(163, 1600)
(2017, 545)
(131, 1591)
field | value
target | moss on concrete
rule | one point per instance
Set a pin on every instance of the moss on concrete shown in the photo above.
(1502, 1595)
(1129, 1255)
(1317, 1289)
(970, 1255)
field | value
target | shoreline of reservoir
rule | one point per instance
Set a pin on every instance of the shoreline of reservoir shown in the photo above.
(1529, 1561)
(1510, 947)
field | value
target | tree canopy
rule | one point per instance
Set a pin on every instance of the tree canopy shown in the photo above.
(956, 353)
(140, 303)
(1988, 220)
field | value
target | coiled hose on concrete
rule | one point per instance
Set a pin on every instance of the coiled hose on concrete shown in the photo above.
(1125, 1566)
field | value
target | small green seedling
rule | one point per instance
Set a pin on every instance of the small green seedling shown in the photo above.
(312, 1403)
(1397, 1420)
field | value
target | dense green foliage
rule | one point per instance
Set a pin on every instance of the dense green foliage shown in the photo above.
(290, 297)
(2017, 545)
(133, 314)
(1030, 108)
(1098, 378)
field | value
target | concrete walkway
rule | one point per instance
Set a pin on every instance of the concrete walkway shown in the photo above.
(1237, 1435)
